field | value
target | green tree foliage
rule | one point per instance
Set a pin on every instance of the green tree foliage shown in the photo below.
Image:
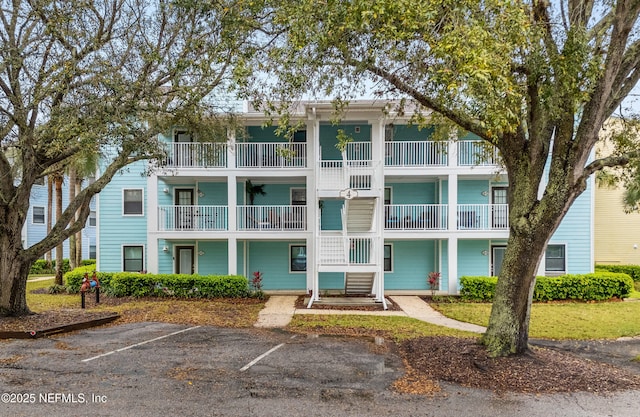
(537, 79)
(101, 78)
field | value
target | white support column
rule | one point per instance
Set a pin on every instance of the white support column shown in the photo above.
(453, 266)
(452, 188)
(231, 148)
(232, 243)
(452, 202)
(377, 157)
(313, 210)
(152, 224)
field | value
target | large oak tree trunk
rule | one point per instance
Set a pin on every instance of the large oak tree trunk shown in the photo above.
(508, 331)
(14, 266)
(13, 277)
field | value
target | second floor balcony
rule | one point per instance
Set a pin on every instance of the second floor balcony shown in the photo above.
(192, 218)
(416, 217)
(272, 218)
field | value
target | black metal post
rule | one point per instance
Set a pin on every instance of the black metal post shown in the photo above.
(97, 295)
(82, 299)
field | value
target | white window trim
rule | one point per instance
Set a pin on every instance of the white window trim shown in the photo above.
(132, 215)
(289, 258)
(44, 210)
(566, 259)
(124, 245)
(392, 262)
(303, 189)
(390, 193)
(95, 217)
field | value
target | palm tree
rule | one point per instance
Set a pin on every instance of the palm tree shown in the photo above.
(57, 180)
(253, 190)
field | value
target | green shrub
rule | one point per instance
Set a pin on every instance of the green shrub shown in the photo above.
(478, 288)
(40, 266)
(73, 279)
(597, 286)
(86, 262)
(178, 285)
(632, 270)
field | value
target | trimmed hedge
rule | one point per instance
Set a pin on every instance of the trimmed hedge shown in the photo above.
(134, 284)
(73, 279)
(598, 286)
(40, 266)
(124, 284)
(632, 270)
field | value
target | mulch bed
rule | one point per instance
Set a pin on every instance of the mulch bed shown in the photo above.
(465, 362)
(52, 322)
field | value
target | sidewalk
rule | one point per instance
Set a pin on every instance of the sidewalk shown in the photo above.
(279, 310)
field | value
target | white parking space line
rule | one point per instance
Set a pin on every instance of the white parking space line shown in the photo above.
(256, 360)
(139, 344)
(264, 355)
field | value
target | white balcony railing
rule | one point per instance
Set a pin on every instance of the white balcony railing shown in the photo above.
(271, 155)
(340, 174)
(270, 218)
(416, 153)
(192, 218)
(477, 153)
(483, 217)
(195, 155)
(415, 217)
(340, 250)
(294, 155)
(358, 151)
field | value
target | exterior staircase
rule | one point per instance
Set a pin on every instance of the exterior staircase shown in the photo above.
(360, 283)
(360, 214)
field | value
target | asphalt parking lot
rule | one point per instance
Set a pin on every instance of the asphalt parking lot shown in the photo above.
(153, 369)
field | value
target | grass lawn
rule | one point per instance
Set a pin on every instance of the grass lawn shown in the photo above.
(548, 320)
(607, 320)
(393, 327)
(212, 312)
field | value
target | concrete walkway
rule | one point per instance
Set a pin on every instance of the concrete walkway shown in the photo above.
(279, 310)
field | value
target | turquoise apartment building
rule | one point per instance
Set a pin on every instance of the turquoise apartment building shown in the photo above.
(375, 218)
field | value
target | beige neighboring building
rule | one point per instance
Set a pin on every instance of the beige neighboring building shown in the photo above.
(616, 233)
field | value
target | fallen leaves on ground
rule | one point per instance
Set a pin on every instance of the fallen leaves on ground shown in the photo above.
(465, 362)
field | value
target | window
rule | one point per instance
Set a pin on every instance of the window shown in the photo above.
(92, 219)
(300, 136)
(298, 258)
(39, 181)
(555, 259)
(387, 195)
(182, 136)
(388, 267)
(38, 215)
(92, 251)
(132, 257)
(298, 197)
(132, 202)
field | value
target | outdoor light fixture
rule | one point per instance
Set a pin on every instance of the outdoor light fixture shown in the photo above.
(200, 252)
(165, 249)
(200, 193)
(166, 191)
(485, 252)
(485, 193)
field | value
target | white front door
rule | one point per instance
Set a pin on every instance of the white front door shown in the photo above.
(184, 260)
